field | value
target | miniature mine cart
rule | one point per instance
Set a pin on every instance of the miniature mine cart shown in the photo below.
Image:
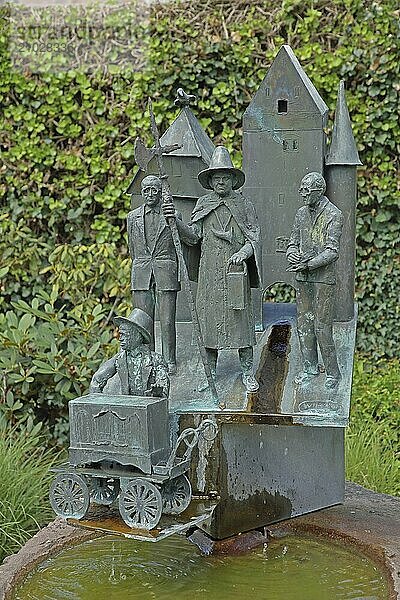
(120, 448)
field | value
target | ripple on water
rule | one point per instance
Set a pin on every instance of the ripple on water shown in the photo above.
(115, 568)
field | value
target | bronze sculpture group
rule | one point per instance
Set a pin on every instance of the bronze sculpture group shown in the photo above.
(224, 225)
(225, 246)
(222, 250)
(231, 249)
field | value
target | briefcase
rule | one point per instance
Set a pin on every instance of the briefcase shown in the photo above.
(237, 286)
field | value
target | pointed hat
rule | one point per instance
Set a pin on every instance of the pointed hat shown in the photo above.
(221, 160)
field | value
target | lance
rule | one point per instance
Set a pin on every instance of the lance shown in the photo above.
(167, 199)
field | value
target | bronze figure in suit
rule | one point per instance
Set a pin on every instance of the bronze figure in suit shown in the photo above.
(312, 252)
(155, 269)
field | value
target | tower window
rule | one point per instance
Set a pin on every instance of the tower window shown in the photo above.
(282, 106)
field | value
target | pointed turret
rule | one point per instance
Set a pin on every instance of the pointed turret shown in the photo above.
(283, 139)
(188, 133)
(341, 177)
(343, 149)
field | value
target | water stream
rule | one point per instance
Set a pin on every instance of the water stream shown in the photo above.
(292, 568)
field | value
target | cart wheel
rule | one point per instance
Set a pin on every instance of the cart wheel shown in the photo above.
(140, 504)
(176, 495)
(69, 496)
(103, 490)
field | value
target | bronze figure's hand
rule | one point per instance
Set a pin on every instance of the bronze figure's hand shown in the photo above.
(237, 258)
(293, 257)
(168, 210)
(94, 389)
(301, 266)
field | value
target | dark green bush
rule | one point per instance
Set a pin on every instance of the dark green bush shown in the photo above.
(67, 128)
(49, 355)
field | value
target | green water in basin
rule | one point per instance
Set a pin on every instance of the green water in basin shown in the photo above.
(293, 568)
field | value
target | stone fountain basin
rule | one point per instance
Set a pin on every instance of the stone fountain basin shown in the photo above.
(367, 521)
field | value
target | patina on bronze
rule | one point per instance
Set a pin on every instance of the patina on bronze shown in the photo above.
(120, 438)
(341, 181)
(170, 216)
(280, 450)
(312, 252)
(155, 269)
(135, 370)
(224, 224)
(120, 449)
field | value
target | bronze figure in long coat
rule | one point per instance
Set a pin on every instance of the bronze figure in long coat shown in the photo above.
(224, 225)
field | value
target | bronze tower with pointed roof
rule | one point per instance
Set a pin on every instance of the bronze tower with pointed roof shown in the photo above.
(283, 139)
(341, 177)
(182, 165)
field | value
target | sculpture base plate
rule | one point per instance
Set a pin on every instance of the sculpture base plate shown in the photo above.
(108, 520)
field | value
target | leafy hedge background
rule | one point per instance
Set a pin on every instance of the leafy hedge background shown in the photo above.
(67, 129)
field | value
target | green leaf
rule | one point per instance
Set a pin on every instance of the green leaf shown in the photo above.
(26, 322)
(93, 350)
(43, 367)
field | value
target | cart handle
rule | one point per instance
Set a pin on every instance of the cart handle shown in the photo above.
(190, 437)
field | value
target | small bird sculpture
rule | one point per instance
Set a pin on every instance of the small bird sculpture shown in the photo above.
(184, 99)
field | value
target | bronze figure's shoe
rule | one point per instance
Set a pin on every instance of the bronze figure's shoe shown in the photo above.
(331, 382)
(172, 368)
(250, 383)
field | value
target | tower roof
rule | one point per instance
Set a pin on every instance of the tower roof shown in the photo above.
(343, 149)
(188, 133)
(287, 56)
(287, 80)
